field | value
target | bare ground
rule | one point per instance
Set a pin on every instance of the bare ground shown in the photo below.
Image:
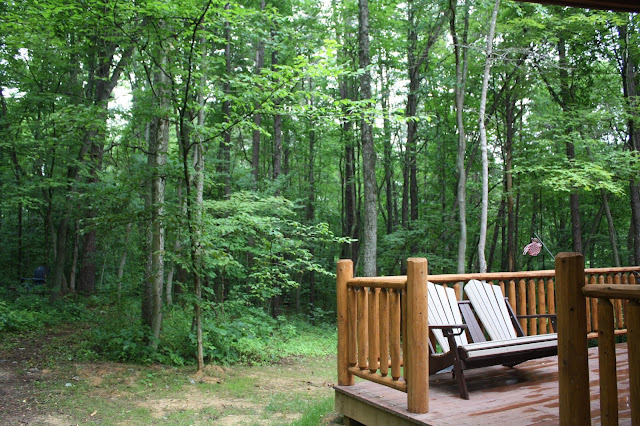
(41, 385)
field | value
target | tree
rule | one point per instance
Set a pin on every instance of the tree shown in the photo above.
(483, 139)
(461, 57)
(370, 227)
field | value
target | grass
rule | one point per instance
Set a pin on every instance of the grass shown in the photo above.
(314, 413)
(70, 381)
(68, 390)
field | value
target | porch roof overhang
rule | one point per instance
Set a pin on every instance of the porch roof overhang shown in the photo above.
(617, 5)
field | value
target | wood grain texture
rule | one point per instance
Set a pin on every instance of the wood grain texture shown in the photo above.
(573, 368)
(633, 321)
(363, 332)
(607, 364)
(417, 352)
(384, 332)
(344, 272)
(499, 395)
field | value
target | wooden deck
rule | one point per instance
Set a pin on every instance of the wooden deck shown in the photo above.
(526, 394)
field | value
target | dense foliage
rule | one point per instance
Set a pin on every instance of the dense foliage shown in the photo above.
(199, 165)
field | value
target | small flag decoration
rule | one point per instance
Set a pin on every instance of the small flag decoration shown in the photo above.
(533, 248)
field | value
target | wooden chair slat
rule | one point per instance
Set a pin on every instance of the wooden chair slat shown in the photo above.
(491, 308)
(488, 302)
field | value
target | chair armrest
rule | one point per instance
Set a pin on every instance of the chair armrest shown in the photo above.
(447, 329)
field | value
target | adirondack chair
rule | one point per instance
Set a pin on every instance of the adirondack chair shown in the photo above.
(495, 313)
(446, 323)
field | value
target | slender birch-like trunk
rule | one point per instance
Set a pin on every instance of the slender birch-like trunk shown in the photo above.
(483, 141)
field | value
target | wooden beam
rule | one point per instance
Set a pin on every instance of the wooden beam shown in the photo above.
(345, 272)
(573, 362)
(612, 291)
(417, 356)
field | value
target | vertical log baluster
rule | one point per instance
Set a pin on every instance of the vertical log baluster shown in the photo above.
(594, 306)
(618, 305)
(384, 332)
(607, 364)
(522, 304)
(512, 296)
(531, 307)
(590, 327)
(363, 344)
(551, 302)
(542, 307)
(352, 313)
(573, 368)
(394, 333)
(633, 346)
(403, 321)
(374, 329)
(344, 273)
(417, 335)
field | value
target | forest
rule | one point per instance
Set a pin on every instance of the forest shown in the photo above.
(194, 169)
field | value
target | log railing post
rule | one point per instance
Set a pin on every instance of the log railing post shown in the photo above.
(633, 346)
(345, 273)
(417, 355)
(607, 364)
(573, 369)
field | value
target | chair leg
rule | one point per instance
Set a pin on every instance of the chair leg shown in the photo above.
(459, 375)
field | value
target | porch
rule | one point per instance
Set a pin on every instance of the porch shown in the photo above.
(524, 395)
(383, 338)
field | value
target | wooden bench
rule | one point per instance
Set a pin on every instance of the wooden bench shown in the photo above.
(509, 348)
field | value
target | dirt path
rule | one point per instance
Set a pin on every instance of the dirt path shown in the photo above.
(23, 371)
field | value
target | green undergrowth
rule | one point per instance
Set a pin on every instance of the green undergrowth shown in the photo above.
(110, 328)
(233, 333)
(25, 311)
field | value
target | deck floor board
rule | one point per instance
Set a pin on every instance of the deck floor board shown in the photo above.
(526, 394)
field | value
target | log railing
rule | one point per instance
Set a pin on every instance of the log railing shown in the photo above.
(373, 337)
(533, 292)
(374, 342)
(573, 370)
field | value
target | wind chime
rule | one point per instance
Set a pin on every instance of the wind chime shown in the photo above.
(535, 246)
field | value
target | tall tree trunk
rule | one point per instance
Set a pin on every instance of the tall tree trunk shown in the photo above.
(311, 203)
(418, 59)
(257, 116)
(225, 145)
(74, 258)
(497, 227)
(567, 106)
(630, 72)
(123, 258)
(461, 51)
(510, 105)
(388, 166)
(483, 141)
(277, 132)
(412, 119)
(276, 300)
(370, 235)
(351, 217)
(159, 145)
(99, 89)
(350, 212)
(613, 237)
